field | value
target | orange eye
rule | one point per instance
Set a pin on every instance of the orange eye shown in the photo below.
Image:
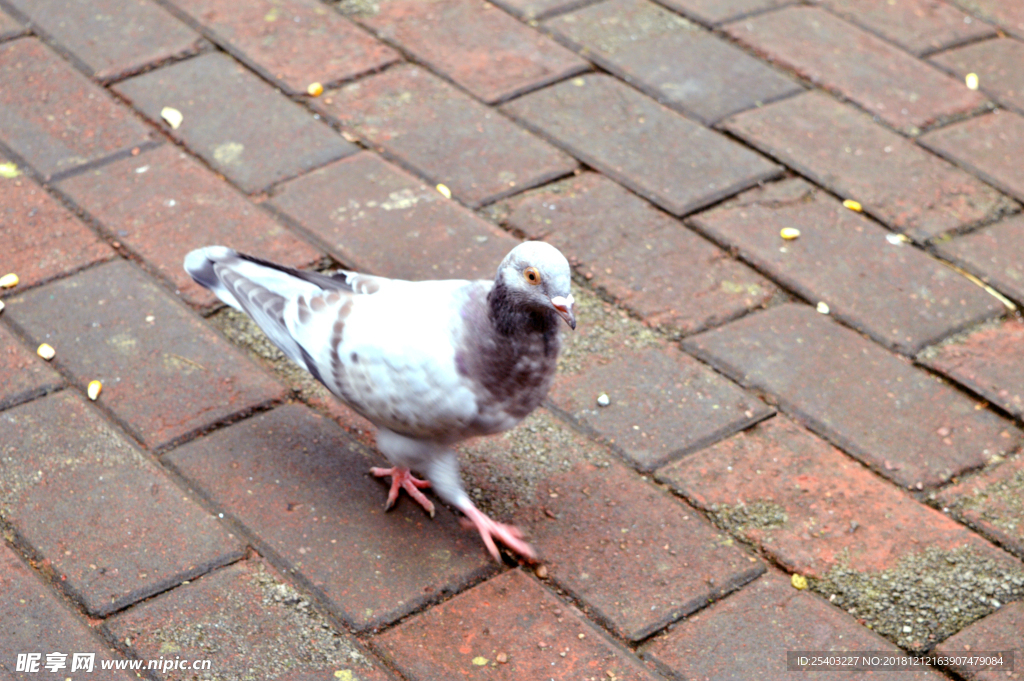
(532, 275)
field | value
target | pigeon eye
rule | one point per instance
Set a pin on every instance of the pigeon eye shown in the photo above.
(532, 275)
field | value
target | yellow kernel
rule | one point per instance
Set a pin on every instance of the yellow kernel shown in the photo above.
(853, 205)
(971, 79)
(315, 89)
(94, 390)
(445, 192)
(789, 233)
(9, 280)
(46, 351)
(822, 308)
(798, 581)
(172, 116)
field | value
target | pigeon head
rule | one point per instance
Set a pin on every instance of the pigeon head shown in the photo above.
(536, 274)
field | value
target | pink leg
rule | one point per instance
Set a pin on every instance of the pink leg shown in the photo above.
(401, 479)
(509, 535)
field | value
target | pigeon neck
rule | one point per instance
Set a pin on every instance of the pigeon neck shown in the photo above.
(510, 318)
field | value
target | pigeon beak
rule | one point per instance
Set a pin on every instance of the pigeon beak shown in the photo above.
(563, 306)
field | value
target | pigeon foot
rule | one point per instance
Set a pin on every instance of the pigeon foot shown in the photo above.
(401, 479)
(509, 535)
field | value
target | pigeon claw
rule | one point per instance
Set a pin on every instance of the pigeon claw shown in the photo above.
(489, 530)
(401, 479)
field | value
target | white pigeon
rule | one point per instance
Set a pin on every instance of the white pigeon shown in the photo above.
(430, 363)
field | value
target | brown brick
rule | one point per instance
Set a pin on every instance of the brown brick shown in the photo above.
(996, 63)
(110, 525)
(639, 255)
(23, 376)
(999, 631)
(511, 615)
(638, 558)
(165, 374)
(36, 622)
(893, 292)
(291, 42)
(249, 623)
(992, 502)
(841, 149)
(1008, 14)
(989, 146)
(900, 90)
(303, 489)
(445, 135)
(824, 509)
(111, 38)
(53, 116)
(746, 636)
(908, 425)
(492, 55)
(236, 122)
(663, 403)
(164, 203)
(991, 253)
(41, 238)
(988, 362)
(919, 26)
(718, 11)
(377, 218)
(664, 157)
(672, 59)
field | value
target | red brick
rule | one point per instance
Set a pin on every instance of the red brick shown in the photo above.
(718, 11)
(835, 510)
(639, 255)
(884, 80)
(54, 117)
(672, 59)
(165, 374)
(444, 135)
(659, 154)
(997, 65)
(636, 557)
(893, 292)
(746, 636)
(42, 239)
(112, 38)
(989, 146)
(9, 26)
(538, 9)
(991, 253)
(511, 615)
(35, 621)
(841, 149)
(303, 490)
(988, 362)
(249, 623)
(110, 525)
(1008, 14)
(919, 26)
(908, 425)
(1000, 631)
(23, 376)
(234, 121)
(375, 217)
(663, 402)
(992, 502)
(291, 42)
(164, 203)
(492, 55)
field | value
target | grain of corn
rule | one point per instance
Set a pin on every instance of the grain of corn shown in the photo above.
(315, 89)
(445, 192)
(853, 205)
(172, 116)
(798, 581)
(822, 308)
(9, 171)
(9, 280)
(46, 351)
(789, 233)
(94, 390)
(2, 306)
(972, 81)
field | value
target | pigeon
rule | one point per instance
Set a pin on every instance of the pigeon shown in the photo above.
(429, 363)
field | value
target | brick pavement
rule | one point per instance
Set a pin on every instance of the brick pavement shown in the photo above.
(810, 443)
